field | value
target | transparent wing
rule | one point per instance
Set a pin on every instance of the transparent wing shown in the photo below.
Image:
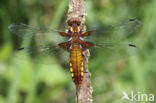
(41, 33)
(38, 42)
(115, 40)
(42, 52)
(119, 31)
(120, 48)
(115, 51)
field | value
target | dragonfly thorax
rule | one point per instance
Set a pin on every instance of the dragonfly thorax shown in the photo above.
(75, 29)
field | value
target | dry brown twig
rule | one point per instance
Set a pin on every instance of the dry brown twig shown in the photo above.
(84, 93)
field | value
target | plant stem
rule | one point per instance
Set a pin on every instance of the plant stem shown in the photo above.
(84, 92)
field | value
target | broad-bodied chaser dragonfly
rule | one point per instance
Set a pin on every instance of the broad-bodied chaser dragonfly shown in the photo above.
(78, 40)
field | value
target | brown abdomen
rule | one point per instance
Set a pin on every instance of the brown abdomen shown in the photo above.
(76, 65)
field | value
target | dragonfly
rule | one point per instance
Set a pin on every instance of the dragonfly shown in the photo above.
(75, 40)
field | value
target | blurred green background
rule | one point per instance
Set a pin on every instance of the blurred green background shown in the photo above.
(22, 81)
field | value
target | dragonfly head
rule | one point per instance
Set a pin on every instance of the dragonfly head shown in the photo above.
(74, 21)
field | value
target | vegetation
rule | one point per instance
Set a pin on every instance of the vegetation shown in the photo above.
(25, 81)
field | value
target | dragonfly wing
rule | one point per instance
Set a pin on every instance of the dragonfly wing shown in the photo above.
(114, 40)
(38, 42)
(115, 32)
(28, 31)
(116, 51)
(40, 53)
(120, 48)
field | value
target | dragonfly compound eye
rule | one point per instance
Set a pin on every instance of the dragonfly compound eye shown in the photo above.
(78, 22)
(70, 22)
